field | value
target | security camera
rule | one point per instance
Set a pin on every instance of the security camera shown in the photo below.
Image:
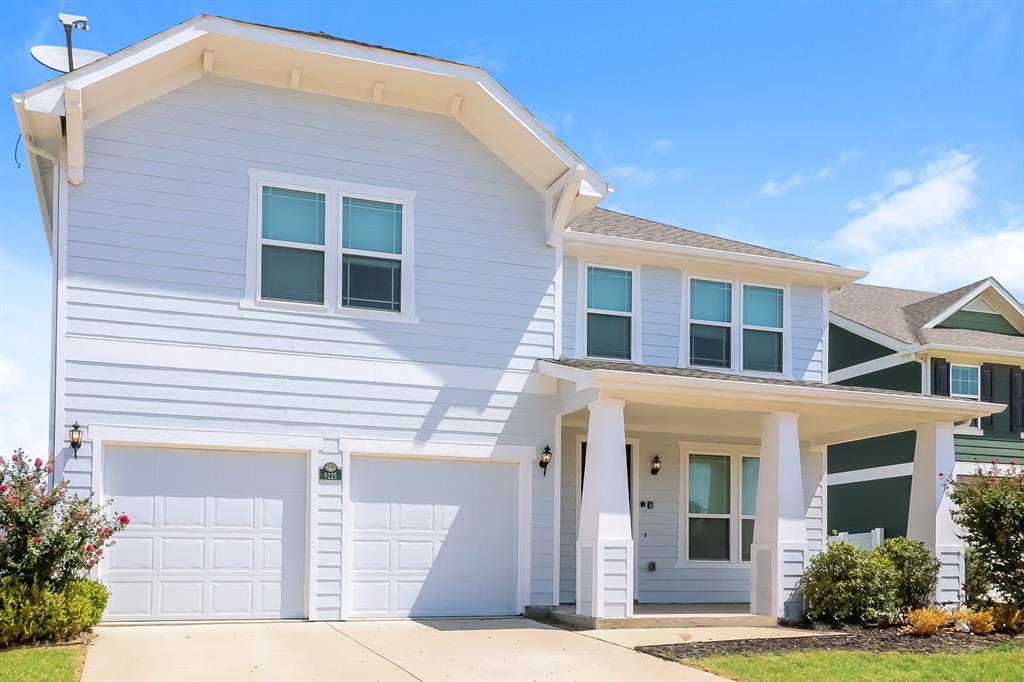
(74, 21)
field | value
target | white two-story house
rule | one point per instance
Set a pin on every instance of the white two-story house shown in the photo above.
(348, 337)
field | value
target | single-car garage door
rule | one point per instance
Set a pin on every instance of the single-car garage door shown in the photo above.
(433, 537)
(213, 535)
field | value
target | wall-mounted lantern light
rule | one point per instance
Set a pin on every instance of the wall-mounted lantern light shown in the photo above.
(545, 459)
(75, 436)
(655, 465)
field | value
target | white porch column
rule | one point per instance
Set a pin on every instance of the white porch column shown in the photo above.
(930, 521)
(779, 551)
(604, 545)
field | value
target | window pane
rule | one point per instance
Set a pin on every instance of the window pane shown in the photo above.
(762, 306)
(749, 468)
(371, 283)
(762, 351)
(292, 274)
(746, 537)
(610, 289)
(709, 484)
(709, 539)
(710, 301)
(964, 380)
(293, 216)
(710, 346)
(609, 336)
(371, 225)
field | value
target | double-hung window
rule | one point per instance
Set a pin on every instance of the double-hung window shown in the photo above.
(609, 313)
(965, 382)
(721, 505)
(762, 328)
(292, 245)
(710, 323)
(334, 246)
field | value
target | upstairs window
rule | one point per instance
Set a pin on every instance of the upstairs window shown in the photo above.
(710, 323)
(965, 382)
(329, 246)
(371, 254)
(762, 328)
(292, 245)
(609, 313)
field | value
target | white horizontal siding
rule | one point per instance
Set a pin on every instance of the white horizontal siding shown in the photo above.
(809, 326)
(570, 293)
(660, 291)
(156, 263)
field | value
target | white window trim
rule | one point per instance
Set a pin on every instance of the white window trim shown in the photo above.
(736, 453)
(736, 327)
(973, 427)
(634, 314)
(785, 330)
(731, 324)
(334, 191)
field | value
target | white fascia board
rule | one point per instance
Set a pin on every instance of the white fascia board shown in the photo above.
(832, 273)
(936, 349)
(581, 377)
(48, 97)
(951, 408)
(868, 333)
(33, 163)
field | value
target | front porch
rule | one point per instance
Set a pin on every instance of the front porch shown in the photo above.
(710, 490)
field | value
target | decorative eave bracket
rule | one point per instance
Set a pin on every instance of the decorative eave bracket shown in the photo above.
(558, 211)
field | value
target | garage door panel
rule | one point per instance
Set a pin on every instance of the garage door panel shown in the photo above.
(207, 551)
(433, 537)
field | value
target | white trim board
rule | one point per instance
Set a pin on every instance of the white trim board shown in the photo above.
(871, 474)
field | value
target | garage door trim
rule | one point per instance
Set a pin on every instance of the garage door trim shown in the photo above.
(102, 435)
(523, 456)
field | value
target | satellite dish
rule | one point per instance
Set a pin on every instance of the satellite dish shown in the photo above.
(56, 56)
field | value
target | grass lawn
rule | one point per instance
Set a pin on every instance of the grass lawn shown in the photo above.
(41, 664)
(1004, 662)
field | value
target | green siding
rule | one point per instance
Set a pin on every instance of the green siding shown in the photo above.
(982, 322)
(905, 377)
(984, 449)
(846, 349)
(896, 448)
(860, 507)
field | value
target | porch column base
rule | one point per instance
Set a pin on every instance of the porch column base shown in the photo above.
(775, 572)
(604, 578)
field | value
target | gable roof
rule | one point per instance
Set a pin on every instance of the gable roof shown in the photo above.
(312, 62)
(908, 315)
(601, 221)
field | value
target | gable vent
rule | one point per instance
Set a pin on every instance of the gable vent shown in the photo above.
(979, 305)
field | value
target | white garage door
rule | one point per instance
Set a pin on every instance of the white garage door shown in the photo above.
(433, 538)
(213, 535)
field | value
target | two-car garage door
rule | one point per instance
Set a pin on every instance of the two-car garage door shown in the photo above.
(221, 535)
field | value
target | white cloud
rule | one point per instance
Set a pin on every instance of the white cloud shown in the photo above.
(773, 189)
(918, 231)
(644, 175)
(555, 122)
(661, 146)
(488, 56)
(940, 196)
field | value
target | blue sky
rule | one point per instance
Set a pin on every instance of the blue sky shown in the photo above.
(878, 134)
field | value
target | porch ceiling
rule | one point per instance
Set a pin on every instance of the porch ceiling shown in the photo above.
(706, 405)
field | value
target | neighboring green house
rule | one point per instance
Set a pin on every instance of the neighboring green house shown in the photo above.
(967, 343)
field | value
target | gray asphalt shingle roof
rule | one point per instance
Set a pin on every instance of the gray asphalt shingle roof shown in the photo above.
(601, 221)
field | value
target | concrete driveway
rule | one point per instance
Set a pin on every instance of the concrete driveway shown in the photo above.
(464, 649)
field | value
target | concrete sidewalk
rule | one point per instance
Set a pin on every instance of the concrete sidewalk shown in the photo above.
(428, 650)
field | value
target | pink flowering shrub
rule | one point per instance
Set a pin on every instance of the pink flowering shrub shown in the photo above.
(990, 509)
(48, 536)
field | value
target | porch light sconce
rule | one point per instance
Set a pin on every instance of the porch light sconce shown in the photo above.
(545, 459)
(75, 437)
(655, 465)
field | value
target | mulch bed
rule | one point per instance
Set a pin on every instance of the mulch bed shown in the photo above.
(875, 640)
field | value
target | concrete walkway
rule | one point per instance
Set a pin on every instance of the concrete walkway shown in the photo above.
(463, 649)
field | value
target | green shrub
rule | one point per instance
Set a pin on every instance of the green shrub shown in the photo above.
(977, 584)
(917, 569)
(42, 613)
(845, 584)
(990, 510)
